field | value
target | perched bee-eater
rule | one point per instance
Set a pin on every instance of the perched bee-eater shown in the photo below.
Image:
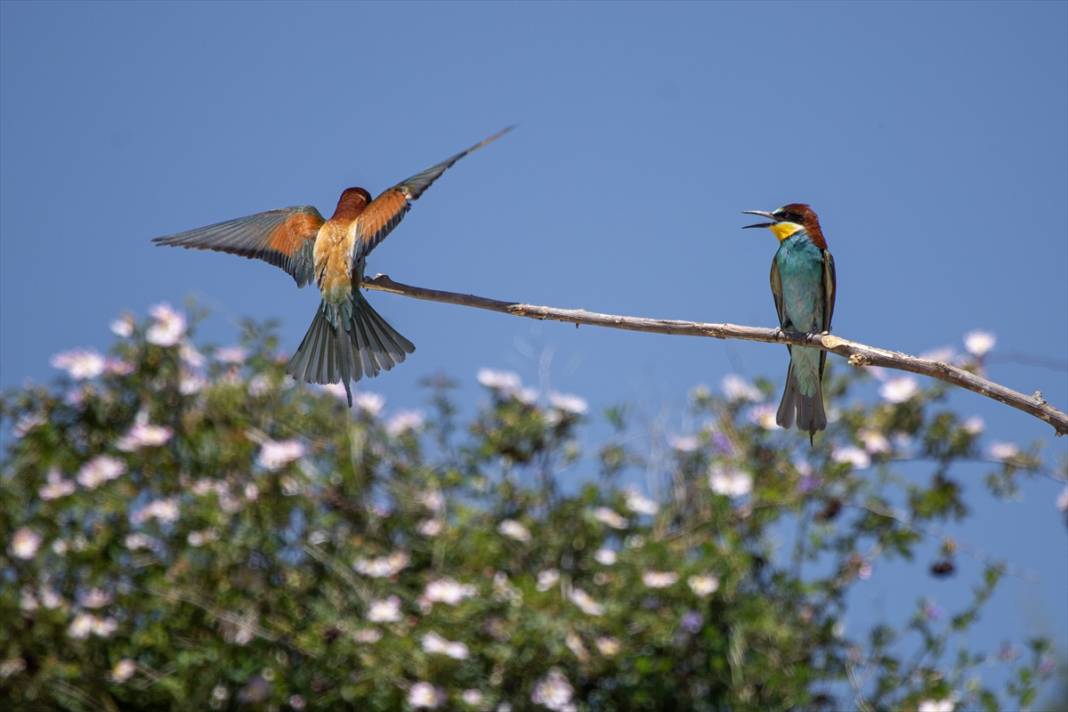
(347, 339)
(803, 284)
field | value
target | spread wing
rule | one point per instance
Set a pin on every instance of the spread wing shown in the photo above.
(830, 291)
(284, 238)
(387, 210)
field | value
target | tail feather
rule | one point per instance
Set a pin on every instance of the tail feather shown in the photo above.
(362, 344)
(797, 407)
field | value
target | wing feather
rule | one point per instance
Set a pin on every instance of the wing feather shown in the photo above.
(387, 210)
(283, 238)
(830, 292)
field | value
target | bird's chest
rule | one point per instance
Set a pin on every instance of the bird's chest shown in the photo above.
(800, 266)
(333, 259)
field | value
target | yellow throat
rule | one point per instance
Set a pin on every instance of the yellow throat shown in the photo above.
(783, 230)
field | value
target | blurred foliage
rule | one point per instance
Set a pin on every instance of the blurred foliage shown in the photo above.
(187, 530)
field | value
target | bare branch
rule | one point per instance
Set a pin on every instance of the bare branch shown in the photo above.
(856, 353)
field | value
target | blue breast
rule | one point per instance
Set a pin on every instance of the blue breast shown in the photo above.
(801, 270)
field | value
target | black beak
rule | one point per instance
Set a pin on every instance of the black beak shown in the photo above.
(761, 213)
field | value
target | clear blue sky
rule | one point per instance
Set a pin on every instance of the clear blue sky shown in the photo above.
(930, 137)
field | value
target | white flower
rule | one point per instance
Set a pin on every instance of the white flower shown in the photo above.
(383, 566)
(899, 390)
(853, 455)
(276, 455)
(370, 403)
(231, 354)
(640, 504)
(874, 441)
(367, 635)
(610, 517)
(138, 541)
(432, 499)
(85, 624)
(434, 643)
(430, 527)
(729, 481)
(404, 421)
(607, 646)
(704, 585)
(568, 403)
(190, 356)
(764, 416)
(423, 695)
(574, 644)
(945, 705)
(514, 530)
(586, 603)
(945, 354)
(978, 343)
(526, 396)
(25, 543)
(200, 538)
(123, 326)
(1062, 500)
(57, 486)
(547, 579)
(189, 384)
(385, 610)
(95, 598)
(144, 434)
(101, 469)
(605, 557)
(554, 692)
(737, 388)
(335, 389)
(659, 579)
(973, 425)
(506, 381)
(27, 423)
(446, 590)
(118, 367)
(169, 327)
(123, 670)
(1003, 451)
(81, 626)
(684, 443)
(471, 698)
(80, 364)
(165, 510)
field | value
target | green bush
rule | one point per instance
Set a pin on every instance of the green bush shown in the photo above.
(186, 531)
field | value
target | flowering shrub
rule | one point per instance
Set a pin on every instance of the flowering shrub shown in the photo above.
(185, 527)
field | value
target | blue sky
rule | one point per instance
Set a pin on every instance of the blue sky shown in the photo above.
(930, 137)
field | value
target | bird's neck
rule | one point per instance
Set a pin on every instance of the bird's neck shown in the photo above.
(785, 230)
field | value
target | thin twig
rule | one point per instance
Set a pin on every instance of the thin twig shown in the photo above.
(858, 354)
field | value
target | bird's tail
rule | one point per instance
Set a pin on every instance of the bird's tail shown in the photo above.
(347, 343)
(802, 398)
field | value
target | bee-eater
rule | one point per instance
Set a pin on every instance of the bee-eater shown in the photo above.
(803, 284)
(347, 339)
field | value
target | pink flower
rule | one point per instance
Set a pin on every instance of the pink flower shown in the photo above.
(234, 355)
(659, 579)
(853, 455)
(899, 390)
(25, 543)
(568, 403)
(57, 486)
(978, 343)
(384, 610)
(164, 510)
(274, 455)
(586, 603)
(764, 416)
(169, 327)
(144, 434)
(370, 403)
(80, 364)
(609, 517)
(448, 591)
(640, 504)
(423, 695)
(729, 481)
(101, 469)
(504, 381)
(554, 692)
(434, 643)
(404, 422)
(123, 670)
(737, 388)
(384, 566)
(514, 530)
(123, 326)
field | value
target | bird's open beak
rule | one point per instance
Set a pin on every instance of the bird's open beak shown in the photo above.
(761, 213)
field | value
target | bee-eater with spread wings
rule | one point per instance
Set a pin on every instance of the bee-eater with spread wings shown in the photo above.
(803, 284)
(347, 339)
